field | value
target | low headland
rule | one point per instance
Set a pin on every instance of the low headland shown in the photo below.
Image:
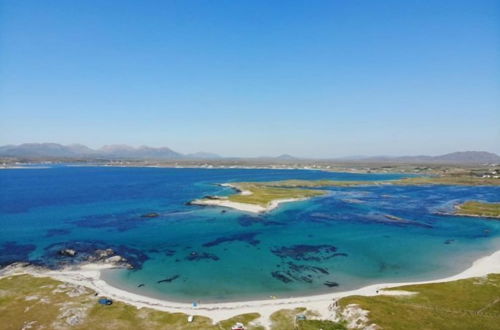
(478, 209)
(259, 197)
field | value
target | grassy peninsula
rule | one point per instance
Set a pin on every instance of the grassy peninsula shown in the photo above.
(478, 209)
(262, 193)
(264, 196)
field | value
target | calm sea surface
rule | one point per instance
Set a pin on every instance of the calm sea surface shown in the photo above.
(334, 243)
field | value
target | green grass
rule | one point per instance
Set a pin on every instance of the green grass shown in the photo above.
(420, 180)
(284, 319)
(473, 208)
(465, 304)
(49, 300)
(263, 194)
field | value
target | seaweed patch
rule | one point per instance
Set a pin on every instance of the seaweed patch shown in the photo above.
(12, 252)
(195, 256)
(168, 279)
(243, 237)
(306, 252)
(57, 232)
(281, 277)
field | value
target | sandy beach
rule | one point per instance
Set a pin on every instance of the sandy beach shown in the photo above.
(245, 207)
(89, 275)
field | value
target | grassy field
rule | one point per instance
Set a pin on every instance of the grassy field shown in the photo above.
(285, 319)
(262, 194)
(421, 180)
(465, 304)
(480, 209)
(50, 304)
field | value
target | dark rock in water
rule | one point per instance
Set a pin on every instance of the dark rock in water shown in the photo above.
(141, 285)
(341, 254)
(195, 256)
(211, 197)
(68, 252)
(223, 211)
(169, 279)
(449, 241)
(303, 268)
(244, 237)
(120, 222)
(150, 215)
(306, 252)
(11, 252)
(103, 254)
(306, 278)
(282, 277)
(331, 284)
(169, 252)
(58, 254)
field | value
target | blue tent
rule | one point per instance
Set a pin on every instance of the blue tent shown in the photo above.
(105, 301)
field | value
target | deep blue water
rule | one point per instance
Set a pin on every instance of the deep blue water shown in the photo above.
(334, 243)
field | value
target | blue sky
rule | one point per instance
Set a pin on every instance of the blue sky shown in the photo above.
(250, 78)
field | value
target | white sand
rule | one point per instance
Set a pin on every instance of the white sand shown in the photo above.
(89, 276)
(246, 207)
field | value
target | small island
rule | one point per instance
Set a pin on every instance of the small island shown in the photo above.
(257, 197)
(478, 209)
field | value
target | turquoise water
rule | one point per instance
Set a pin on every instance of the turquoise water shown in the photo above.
(333, 243)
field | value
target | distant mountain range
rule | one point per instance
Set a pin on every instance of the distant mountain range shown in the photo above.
(461, 157)
(79, 151)
(54, 150)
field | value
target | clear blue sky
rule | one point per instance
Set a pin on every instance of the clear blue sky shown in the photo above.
(248, 78)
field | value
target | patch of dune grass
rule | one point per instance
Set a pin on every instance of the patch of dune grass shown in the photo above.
(465, 304)
(42, 302)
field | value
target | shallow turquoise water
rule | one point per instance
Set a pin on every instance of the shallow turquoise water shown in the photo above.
(343, 239)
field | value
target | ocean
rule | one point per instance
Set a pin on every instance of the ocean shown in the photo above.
(352, 237)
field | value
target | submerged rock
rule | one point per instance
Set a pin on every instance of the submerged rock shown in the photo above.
(281, 277)
(307, 252)
(68, 252)
(150, 215)
(243, 237)
(169, 279)
(195, 256)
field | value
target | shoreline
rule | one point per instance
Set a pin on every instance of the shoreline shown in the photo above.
(89, 275)
(223, 201)
(245, 207)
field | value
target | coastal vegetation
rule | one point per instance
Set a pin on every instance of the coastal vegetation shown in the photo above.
(263, 194)
(460, 180)
(37, 302)
(478, 209)
(465, 304)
